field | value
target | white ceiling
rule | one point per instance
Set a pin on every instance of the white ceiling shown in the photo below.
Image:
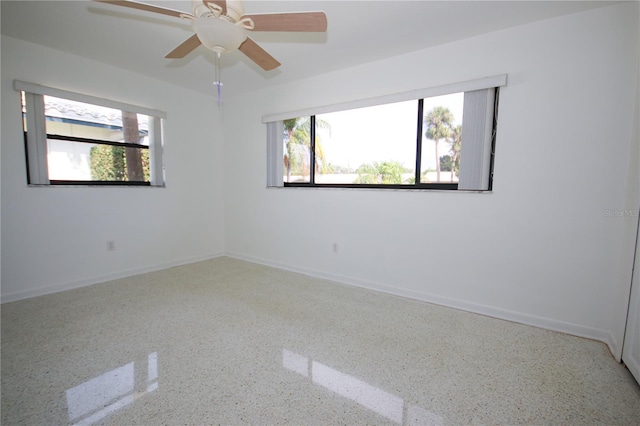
(358, 32)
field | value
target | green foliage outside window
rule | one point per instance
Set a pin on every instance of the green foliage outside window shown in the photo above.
(109, 163)
(387, 172)
(297, 139)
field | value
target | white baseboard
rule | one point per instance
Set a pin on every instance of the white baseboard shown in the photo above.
(55, 288)
(501, 313)
(491, 311)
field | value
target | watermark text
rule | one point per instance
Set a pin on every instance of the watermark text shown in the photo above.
(621, 213)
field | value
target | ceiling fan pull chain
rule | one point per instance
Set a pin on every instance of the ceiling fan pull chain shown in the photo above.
(218, 81)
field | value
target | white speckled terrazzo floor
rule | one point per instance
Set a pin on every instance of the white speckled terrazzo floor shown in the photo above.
(231, 342)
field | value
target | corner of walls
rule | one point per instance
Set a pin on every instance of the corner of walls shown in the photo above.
(632, 207)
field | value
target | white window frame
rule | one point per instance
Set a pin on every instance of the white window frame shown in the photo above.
(477, 131)
(36, 145)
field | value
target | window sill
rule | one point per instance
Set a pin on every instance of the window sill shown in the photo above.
(378, 188)
(93, 185)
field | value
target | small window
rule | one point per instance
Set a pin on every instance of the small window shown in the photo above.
(73, 142)
(445, 141)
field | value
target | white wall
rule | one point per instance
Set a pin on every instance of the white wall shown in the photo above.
(55, 238)
(539, 249)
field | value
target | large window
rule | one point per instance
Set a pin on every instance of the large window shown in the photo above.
(74, 139)
(444, 141)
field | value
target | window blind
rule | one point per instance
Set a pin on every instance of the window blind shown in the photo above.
(477, 136)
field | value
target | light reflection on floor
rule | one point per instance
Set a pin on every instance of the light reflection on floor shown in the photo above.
(375, 399)
(103, 395)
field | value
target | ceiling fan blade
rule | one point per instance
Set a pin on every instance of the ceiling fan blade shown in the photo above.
(220, 3)
(145, 7)
(295, 21)
(185, 48)
(258, 55)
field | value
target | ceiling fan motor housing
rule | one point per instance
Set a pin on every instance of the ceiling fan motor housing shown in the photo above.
(235, 10)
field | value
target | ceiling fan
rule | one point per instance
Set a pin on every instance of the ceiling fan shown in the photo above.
(222, 26)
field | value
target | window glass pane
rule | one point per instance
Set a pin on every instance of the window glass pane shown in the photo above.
(80, 161)
(373, 145)
(78, 119)
(441, 134)
(296, 152)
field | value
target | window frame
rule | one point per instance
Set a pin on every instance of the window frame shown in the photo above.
(36, 138)
(490, 85)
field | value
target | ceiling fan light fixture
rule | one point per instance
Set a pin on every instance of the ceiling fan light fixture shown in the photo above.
(218, 35)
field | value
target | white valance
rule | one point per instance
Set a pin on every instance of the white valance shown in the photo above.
(465, 86)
